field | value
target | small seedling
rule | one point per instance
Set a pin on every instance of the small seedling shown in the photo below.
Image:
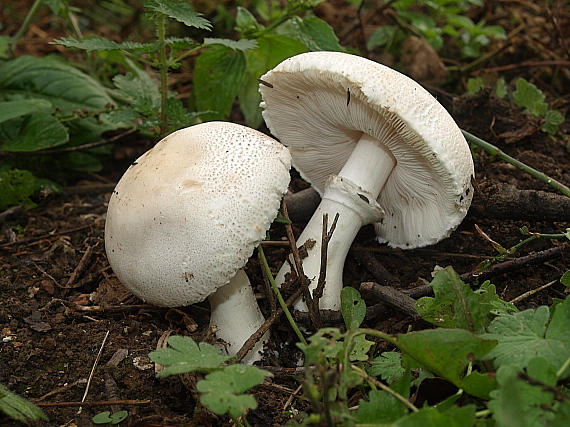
(110, 418)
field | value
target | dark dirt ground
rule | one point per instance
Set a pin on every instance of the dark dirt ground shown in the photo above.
(59, 299)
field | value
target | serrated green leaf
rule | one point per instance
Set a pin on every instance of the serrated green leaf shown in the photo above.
(325, 343)
(387, 366)
(313, 32)
(516, 402)
(222, 391)
(180, 11)
(552, 120)
(381, 408)
(456, 305)
(101, 44)
(529, 97)
(218, 75)
(185, 355)
(448, 352)
(530, 333)
(243, 44)
(271, 50)
(141, 89)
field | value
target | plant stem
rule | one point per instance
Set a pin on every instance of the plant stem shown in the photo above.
(280, 297)
(25, 25)
(497, 152)
(161, 32)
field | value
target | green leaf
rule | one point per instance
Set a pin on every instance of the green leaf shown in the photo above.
(529, 97)
(457, 306)
(65, 87)
(387, 366)
(271, 50)
(381, 408)
(518, 402)
(101, 44)
(185, 355)
(565, 279)
(102, 418)
(530, 333)
(243, 44)
(117, 417)
(352, 307)
(430, 417)
(16, 187)
(218, 75)
(325, 343)
(246, 22)
(12, 109)
(180, 11)
(448, 353)
(313, 32)
(141, 89)
(552, 120)
(21, 134)
(222, 391)
(18, 408)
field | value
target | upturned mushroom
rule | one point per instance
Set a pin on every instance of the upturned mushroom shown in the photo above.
(186, 216)
(376, 146)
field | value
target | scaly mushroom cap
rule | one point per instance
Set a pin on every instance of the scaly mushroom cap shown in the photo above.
(319, 104)
(189, 212)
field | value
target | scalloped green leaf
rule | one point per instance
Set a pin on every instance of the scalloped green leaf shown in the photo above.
(180, 11)
(185, 355)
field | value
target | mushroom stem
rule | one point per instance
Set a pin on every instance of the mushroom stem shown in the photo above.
(352, 194)
(236, 316)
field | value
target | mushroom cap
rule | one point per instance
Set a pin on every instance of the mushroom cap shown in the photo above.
(187, 215)
(319, 104)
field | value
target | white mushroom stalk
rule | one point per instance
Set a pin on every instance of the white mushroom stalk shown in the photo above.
(187, 215)
(377, 147)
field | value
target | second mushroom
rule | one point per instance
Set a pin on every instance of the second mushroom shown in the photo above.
(186, 216)
(376, 146)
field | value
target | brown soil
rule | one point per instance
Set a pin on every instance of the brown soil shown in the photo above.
(59, 299)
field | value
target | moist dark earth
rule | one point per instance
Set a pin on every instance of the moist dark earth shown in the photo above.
(61, 305)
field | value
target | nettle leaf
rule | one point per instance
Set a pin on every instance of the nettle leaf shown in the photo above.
(185, 355)
(246, 22)
(16, 187)
(218, 75)
(271, 50)
(139, 86)
(448, 353)
(101, 44)
(243, 44)
(180, 11)
(529, 97)
(222, 391)
(352, 307)
(456, 305)
(313, 32)
(531, 333)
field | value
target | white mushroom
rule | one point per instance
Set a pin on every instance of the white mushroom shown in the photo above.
(186, 216)
(376, 146)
